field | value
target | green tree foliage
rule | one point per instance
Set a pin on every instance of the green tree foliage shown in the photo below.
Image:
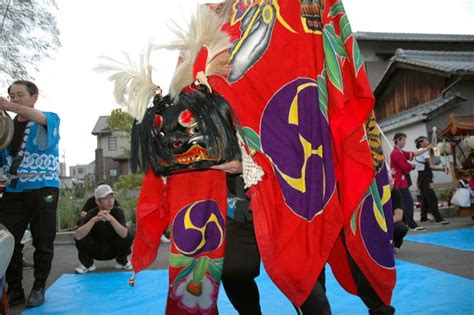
(133, 181)
(120, 120)
(28, 33)
(69, 207)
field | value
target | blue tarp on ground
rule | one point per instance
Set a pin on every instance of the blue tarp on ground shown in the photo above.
(420, 290)
(462, 239)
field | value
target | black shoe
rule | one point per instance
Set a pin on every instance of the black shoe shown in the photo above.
(36, 297)
(16, 297)
(424, 219)
(382, 310)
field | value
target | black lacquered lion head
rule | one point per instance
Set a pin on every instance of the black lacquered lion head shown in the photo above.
(193, 131)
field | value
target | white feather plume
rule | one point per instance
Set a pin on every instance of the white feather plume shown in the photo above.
(133, 85)
(204, 30)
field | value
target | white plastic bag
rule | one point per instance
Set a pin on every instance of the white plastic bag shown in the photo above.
(7, 243)
(462, 198)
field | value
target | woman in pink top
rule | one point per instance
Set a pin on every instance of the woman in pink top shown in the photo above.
(401, 176)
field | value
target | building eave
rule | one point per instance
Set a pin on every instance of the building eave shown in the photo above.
(423, 112)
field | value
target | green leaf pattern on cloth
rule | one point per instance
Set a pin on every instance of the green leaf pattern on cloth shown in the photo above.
(378, 206)
(183, 274)
(336, 9)
(357, 57)
(345, 27)
(331, 46)
(177, 260)
(199, 267)
(323, 93)
(215, 268)
(334, 49)
(335, 40)
(354, 220)
(251, 138)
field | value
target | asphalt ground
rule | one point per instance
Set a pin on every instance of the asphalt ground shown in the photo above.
(453, 261)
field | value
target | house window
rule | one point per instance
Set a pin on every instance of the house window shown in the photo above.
(80, 171)
(112, 144)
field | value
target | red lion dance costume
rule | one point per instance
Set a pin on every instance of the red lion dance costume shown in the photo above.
(293, 74)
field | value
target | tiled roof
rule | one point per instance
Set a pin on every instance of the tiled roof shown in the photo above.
(454, 62)
(101, 126)
(413, 37)
(420, 112)
(447, 62)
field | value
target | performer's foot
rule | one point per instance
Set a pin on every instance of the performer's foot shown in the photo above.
(164, 239)
(419, 228)
(16, 297)
(442, 222)
(36, 297)
(81, 269)
(382, 310)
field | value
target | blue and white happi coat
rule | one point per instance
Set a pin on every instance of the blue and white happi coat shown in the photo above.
(40, 165)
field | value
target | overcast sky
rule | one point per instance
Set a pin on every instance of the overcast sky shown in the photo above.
(92, 28)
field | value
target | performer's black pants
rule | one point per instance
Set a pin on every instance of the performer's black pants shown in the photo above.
(400, 229)
(90, 248)
(408, 208)
(429, 200)
(38, 208)
(242, 266)
(365, 291)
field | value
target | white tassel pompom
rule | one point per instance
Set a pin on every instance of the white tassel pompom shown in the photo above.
(204, 30)
(133, 85)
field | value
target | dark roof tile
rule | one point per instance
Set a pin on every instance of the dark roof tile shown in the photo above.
(101, 126)
(409, 37)
(446, 61)
(421, 111)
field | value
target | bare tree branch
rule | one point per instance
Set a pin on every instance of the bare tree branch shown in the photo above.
(28, 34)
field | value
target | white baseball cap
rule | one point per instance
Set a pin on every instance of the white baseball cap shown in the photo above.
(103, 191)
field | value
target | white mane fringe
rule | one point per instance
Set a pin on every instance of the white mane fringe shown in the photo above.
(204, 30)
(133, 86)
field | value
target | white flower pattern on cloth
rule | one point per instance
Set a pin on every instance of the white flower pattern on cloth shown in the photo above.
(37, 167)
(201, 299)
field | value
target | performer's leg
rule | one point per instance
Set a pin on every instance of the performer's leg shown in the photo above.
(123, 248)
(408, 208)
(43, 231)
(317, 301)
(86, 248)
(431, 200)
(399, 232)
(424, 206)
(15, 216)
(241, 266)
(367, 293)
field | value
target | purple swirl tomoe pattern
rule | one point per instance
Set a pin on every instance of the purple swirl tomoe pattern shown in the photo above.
(198, 228)
(376, 240)
(295, 135)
